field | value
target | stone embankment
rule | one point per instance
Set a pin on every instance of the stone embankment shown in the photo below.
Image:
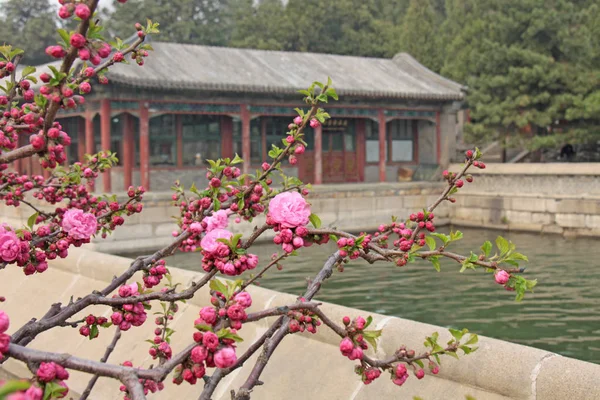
(546, 198)
(305, 365)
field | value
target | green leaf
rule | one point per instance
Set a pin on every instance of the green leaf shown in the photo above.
(218, 286)
(28, 70)
(452, 353)
(454, 236)
(31, 220)
(372, 342)
(457, 334)
(472, 339)
(430, 242)
(487, 248)
(53, 390)
(435, 260)
(94, 332)
(315, 220)
(466, 349)
(202, 327)
(236, 160)
(12, 387)
(368, 322)
(419, 363)
(444, 238)
(502, 244)
(518, 256)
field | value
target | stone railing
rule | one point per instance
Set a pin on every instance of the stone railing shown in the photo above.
(553, 198)
(305, 365)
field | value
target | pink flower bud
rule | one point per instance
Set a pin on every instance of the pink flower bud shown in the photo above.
(502, 277)
(78, 40)
(82, 11)
(4, 322)
(298, 120)
(314, 123)
(225, 357)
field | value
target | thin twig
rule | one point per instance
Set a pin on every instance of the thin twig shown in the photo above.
(109, 350)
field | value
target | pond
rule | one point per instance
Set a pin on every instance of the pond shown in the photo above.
(562, 315)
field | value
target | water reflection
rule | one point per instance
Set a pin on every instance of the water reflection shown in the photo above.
(563, 315)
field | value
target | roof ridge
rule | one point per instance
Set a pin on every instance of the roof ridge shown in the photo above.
(406, 59)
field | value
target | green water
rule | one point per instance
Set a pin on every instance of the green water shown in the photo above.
(562, 316)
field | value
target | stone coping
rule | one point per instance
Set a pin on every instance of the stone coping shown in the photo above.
(567, 169)
(498, 370)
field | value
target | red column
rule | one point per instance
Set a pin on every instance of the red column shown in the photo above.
(246, 138)
(360, 148)
(318, 155)
(179, 134)
(90, 144)
(128, 150)
(105, 138)
(382, 138)
(144, 147)
(81, 140)
(226, 137)
(438, 137)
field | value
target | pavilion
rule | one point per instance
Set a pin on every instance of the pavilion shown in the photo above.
(189, 103)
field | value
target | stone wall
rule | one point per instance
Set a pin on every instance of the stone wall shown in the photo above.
(553, 198)
(304, 366)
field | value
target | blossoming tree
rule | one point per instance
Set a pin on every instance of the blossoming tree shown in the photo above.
(211, 353)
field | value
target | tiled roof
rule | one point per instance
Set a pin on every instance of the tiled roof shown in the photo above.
(194, 67)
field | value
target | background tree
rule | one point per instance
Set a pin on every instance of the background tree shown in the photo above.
(31, 24)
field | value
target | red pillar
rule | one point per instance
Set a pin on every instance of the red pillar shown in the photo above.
(105, 138)
(226, 137)
(246, 138)
(438, 137)
(144, 147)
(128, 150)
(318, 155)
(90, 144)
(382, 138)
(361, 148)
(81, 140)
(179, 135)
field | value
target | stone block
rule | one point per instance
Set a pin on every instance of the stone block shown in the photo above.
(555, 379)
(518, 217)
(165, 230)
(542, 218)
(570, 220)
(579, 206)
(527, 204)
(132, 232)
(592, 222)
(551, 205)
(504, 376)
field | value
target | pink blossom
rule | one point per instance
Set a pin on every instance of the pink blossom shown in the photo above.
(360, 323)
(229, 269)
(298, 120)
(210, 340)
(209, 242)
(208, 314)
(225, 357)
(199, 354)
(34, 393)
(82, 11)
(236, 313)
(252, 261)
(46, 372)
(195, 227)
(219, 220)
(502, 277)
(346, 346)
(400, 381)
(289, 209)
(4, 322)
(298, 242)
(10, 246)
(400, 370)
(4, 342)
(243, 299)
(357, 354)
(79, 225)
